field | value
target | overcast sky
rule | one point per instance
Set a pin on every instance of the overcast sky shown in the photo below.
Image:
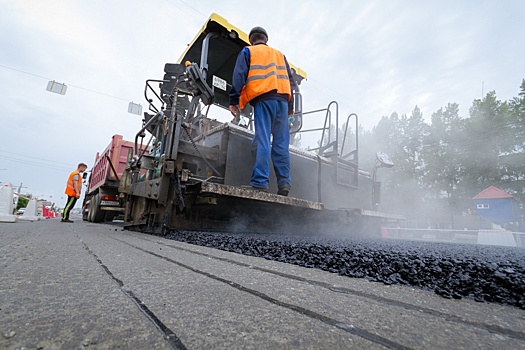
(373, 57)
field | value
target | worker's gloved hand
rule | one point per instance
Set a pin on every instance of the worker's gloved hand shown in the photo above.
(236, 112)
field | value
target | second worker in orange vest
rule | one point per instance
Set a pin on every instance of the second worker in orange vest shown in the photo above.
(73, 190)
(262, 77)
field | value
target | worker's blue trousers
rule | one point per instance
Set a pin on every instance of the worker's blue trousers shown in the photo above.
(271, 118)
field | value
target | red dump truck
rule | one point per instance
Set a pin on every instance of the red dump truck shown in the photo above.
(103, 201)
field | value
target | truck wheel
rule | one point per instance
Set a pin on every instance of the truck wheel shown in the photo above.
(98, 215)
(110, 215)
(90, 210)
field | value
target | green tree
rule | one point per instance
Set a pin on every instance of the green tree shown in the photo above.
(443, 156)
(385, 138)
(402, 138)
(414, 130)
(486, 134)
(512, 163)
(447, 162)
(22, 202)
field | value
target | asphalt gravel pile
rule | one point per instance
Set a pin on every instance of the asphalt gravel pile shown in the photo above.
(482, 273)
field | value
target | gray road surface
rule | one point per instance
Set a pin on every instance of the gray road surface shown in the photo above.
(95, 286)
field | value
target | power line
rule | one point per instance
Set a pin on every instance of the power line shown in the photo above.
(28, 162)
(193, 8)
(21, 71)
(75, 86)
(183, 10)
(38, 158)
(98, 92)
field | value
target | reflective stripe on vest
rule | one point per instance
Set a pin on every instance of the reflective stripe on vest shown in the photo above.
(73, 188)
(267, 72)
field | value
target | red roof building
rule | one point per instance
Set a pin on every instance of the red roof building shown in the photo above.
(499, 207)
(492, 193)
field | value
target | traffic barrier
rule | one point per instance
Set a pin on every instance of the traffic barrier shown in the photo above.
(496, 237)
(39, 210)
(31, 212)
(45, 212)
(6, 203)
(48, 213)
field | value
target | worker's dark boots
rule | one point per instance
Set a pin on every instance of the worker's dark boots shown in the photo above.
(284, 189)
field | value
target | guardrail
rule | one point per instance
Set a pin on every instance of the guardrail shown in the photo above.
(520, 238)
(452, 236)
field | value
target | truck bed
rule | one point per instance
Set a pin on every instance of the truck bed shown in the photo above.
(115, 155)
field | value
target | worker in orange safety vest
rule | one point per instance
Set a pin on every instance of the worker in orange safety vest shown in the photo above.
(73, 190)
(263, 78)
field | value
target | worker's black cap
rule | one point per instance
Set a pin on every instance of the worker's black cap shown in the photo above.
(258, 30)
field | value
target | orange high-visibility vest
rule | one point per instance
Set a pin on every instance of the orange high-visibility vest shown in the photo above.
(267, 72)
(74, 186)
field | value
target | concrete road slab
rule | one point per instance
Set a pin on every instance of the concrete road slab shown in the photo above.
(84, 285)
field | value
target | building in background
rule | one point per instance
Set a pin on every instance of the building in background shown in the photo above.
(500, 208)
